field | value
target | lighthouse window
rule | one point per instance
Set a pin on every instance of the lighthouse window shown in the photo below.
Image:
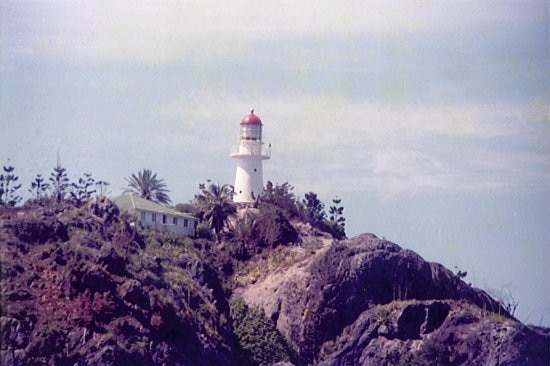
(251, 132)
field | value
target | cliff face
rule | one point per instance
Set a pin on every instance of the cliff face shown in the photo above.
(80, 286)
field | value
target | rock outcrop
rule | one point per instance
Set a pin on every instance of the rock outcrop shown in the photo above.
(329, 305)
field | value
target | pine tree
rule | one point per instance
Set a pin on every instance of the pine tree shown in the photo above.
(59, 182)
(81, 191)
(8, 187)
(39, 188)
(337, 222)
(101, 187)
(336, 212)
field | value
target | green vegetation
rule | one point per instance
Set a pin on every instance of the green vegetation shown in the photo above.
(259, 340)
(59, 183)
(9, 187)
(39, 188)
(148, 186)
(58, 190)
(315, 214)
(282, 197)
(82, 190)
(214, 204)
(337, 222)
(314, 209)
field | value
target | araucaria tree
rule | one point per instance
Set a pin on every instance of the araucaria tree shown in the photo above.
(148, 186)
(8, 187)
(59, 183)
(337, 221)
(317, 217)
(82, 190)
(215, 204)
(39, 188)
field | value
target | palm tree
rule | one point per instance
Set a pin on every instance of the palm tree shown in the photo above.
(146, 185)
(216, 204)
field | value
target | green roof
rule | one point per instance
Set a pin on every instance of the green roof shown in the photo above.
(131, 202)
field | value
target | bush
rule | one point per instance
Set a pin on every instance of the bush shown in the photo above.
(271, 227)
(259, 340)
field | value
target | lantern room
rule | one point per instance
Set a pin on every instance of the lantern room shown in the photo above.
(251, 128)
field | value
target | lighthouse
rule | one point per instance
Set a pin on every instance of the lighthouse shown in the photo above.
(249, 155)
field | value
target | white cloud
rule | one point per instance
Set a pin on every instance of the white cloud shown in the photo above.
(391, 149)
(160, 31)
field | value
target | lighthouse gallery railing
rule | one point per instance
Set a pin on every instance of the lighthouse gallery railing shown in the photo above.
(263, 151)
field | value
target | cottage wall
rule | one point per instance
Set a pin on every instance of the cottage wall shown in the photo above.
(172, 223)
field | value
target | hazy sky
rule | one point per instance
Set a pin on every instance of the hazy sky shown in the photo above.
(430, 119)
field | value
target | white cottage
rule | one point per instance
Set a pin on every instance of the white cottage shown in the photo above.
(153, 215)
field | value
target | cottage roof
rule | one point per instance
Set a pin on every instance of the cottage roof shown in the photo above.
(131, 202)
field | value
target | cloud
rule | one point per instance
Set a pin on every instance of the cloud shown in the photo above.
(389, 149)
(166, 31)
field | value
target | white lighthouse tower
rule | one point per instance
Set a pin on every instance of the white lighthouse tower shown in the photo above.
(249, 181)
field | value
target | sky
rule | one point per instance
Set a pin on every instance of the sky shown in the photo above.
(429, 119)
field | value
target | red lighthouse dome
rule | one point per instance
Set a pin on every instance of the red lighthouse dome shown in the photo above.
(251, 119)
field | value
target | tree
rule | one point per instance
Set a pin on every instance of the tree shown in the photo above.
(282, 197)
(39, 188)
(337, 222)
(215, 204)
(314, 209)
(148, 186)
(186, 207)
(271, 227)
(81, 191)
(101, 187)
(244, 234)
(8, 188)
(59, 182)
(259, 341)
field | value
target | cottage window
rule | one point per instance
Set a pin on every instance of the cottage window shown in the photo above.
(164, 219)
(154, 217)
(185, 222)
(175, 221)
(143, 217)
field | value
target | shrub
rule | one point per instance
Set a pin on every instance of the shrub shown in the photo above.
(271, 227)
(259, 340)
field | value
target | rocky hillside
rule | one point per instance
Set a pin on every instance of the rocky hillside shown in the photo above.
(84, 286)
(81, 287)
(366, 301)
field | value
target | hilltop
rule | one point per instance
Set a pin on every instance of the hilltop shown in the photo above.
(87, 286)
